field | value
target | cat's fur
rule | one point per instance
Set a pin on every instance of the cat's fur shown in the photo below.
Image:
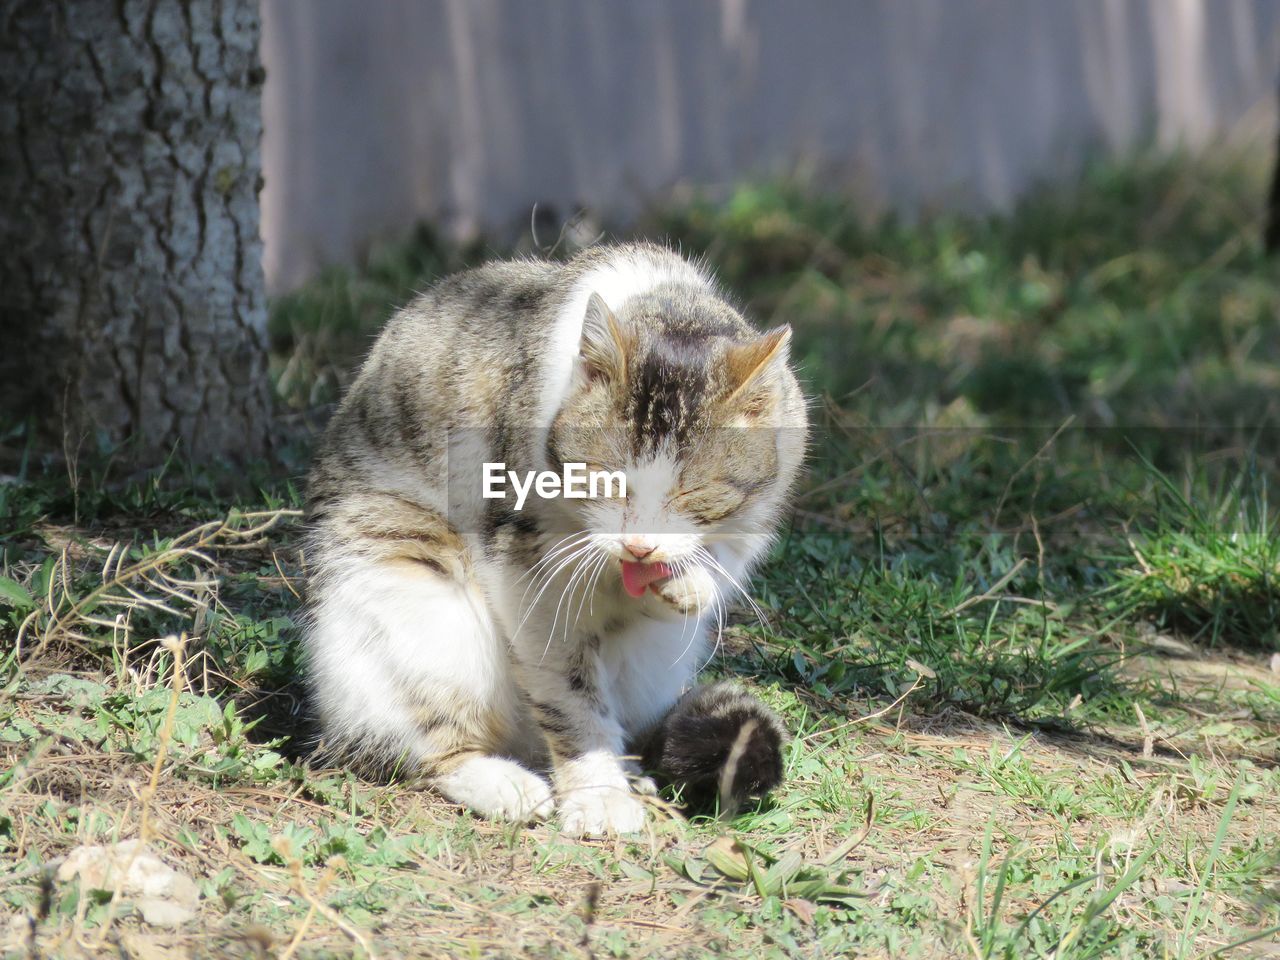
(482, 647)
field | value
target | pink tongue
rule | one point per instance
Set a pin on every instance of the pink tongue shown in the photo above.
(636, 577)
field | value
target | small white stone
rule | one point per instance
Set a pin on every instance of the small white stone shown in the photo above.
(162, 895)
(163, 913)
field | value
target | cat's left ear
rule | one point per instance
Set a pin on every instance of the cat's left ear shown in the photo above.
(602, 351)
(754, 368)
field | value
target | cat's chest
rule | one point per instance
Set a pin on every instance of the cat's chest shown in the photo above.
(647, 664)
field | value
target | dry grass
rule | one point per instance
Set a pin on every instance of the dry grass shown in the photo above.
(939, 781)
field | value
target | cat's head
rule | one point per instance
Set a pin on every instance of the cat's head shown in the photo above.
(699, 412)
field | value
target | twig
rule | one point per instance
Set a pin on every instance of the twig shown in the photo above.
(282, 847)
(64, 613)
(1004, 495)
(838, 853)
(919, 681)
(1147, 739)
(991, 593)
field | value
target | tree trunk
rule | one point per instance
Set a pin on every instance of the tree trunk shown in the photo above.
(1271, 237)
(130, 282)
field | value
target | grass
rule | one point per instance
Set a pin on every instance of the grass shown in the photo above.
(1022, 626)
(1209, 563)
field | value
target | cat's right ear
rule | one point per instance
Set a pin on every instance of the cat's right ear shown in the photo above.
(602, 352)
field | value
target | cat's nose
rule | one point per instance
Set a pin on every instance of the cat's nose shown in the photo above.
(638, 548)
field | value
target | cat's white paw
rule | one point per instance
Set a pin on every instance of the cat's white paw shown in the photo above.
(498, 789)
(692, 591)
(597, 811)
(644, 786)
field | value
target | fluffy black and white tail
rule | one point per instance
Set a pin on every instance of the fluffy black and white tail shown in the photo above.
(719, 743)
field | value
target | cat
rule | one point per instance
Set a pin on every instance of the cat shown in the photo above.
(526, 662)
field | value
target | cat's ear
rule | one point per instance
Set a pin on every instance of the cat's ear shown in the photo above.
(602, 352)
(753, 369)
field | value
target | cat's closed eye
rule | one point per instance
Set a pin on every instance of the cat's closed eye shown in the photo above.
(710, 502)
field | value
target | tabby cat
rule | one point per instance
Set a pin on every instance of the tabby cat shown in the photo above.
(527, 662)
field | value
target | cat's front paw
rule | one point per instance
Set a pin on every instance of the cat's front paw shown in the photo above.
(692, 591)
(499, 789)
(597, 811)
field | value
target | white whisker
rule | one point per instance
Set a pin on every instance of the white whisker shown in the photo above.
(591, 566)
(578, 572)
(546, 581)
(682, 566)
(590, 593)
(719, 611)
(709, 558)
(555, 550)
(604, 565)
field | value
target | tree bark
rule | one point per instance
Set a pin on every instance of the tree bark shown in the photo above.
(1271, 236)
(130, 278)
